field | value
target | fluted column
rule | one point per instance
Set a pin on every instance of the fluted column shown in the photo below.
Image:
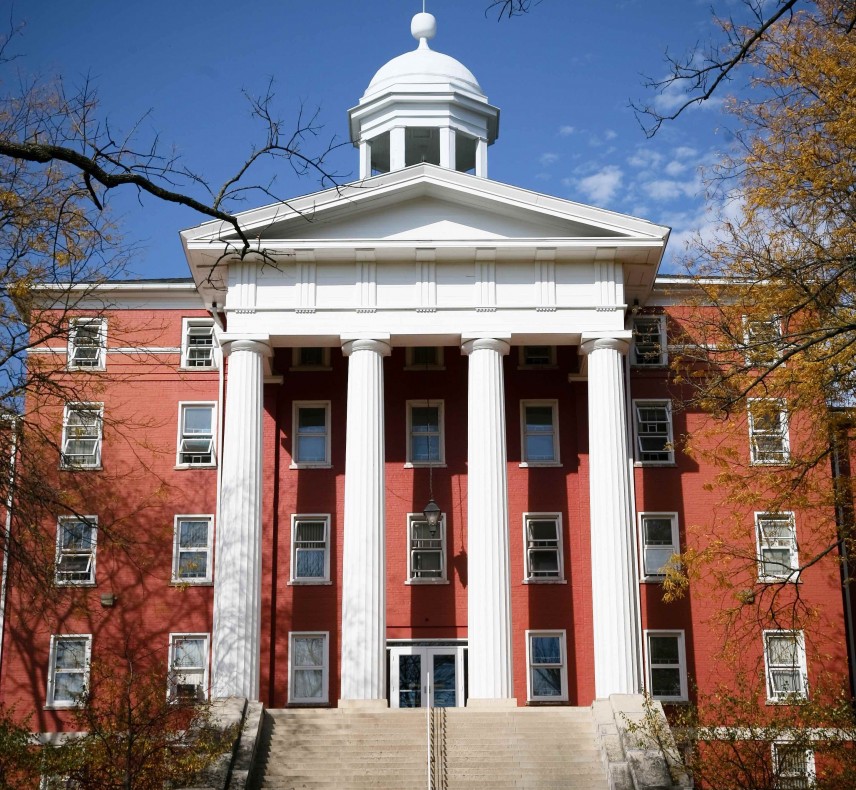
(616, 640)
(236, 633)
(364, 554)
(488, 597)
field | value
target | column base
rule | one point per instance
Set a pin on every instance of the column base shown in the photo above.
(363, 704)
(504, 702)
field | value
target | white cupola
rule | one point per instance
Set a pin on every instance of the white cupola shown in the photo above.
(423, 106)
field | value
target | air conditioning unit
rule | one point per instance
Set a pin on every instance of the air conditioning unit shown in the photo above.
(188, 692)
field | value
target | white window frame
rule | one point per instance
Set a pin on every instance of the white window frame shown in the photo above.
(681, 666)
(808, 773)
(790, 574)
(638, 436)
(297, 362)
(524, 364)
(70, 408)
(530, 667)
(663, 356)
(175, 673)
(298, 517)
(325, 669)
(757, 458)
(53, 671)
(559, 578)
(525, 461)
(296, 463)
(441, 441)
(773, 347)
(92, 522)
(101, 358)
(647, 574)
(419, 518)
(411, 364)
(182, 407)
(187, 324)
(177, 578)
(773, 696)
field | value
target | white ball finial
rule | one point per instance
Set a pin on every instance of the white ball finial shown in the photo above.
(423, 27)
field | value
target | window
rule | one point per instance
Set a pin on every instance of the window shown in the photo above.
(543, 556)
(55, 782)
(69, 670)
(547, 678)
(793, 766)
(188, 667)
(196, 434)
(667, 665)
(649, 341)
(537, 356)
(75, 550)
(424, 358)
(777, 546)
(768, 431)
(763, 340)
(311, 434)
(310, 358)
(81, 436)
(539, 421)
(425, 443)
(426, 555)
(87, 343)
(191, 558)
(784, 656)
(658, 536)
(308, 667)
(310, 548)
(197, 352)
(653, 427)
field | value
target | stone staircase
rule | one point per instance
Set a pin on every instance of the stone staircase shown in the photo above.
(536, 748)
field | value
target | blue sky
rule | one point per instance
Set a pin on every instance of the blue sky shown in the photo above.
(562, 76)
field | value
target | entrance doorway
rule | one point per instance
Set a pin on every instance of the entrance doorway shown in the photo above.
(423, 674)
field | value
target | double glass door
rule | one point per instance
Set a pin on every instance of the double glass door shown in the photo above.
(423, 675)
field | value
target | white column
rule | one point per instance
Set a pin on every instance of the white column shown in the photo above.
(237, 575)
(481, 158)
(365, 159)
(616, 639)
(447, 147)
(397, 144)
(488, 594)
(364, 553)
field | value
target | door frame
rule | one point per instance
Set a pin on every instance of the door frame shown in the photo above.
(427, 648)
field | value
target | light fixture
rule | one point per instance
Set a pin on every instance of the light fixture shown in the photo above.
(432, 516)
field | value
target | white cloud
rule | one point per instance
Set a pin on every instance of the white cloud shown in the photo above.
(685, 152)
(675, 168)
(566, 131)
(669, 189)
(645, 158)
(675, 93)
(601, 186)
(548, 158)
(609, 134)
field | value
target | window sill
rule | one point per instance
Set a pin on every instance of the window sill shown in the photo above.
(75, 584)
(184, 467)
(652, 579)
(191, 583)
(545, 581)
(208, 369)
(98, 468)
(425, 582)
(310, 466)
(547, 464)
(425, 465)
(541, 703)
(77, 369)
(61, 706)
(309, 583)
(662, 464)
(318, 703)
(780, 580)
(785, 462)
(794, 700)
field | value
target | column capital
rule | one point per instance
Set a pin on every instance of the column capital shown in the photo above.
(619, 342)
(366, 344)
(259, 345)
(489, 343)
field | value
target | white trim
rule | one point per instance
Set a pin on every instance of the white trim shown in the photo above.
(528, 578)
(562, 636)
(295, 438)
(92, 521)
(669, 446)
(808, 773)
(325, 669)
(176, 550)
(99, 439)
(175, 673)
(443, 549)
(783, 434)
(524, 457)
(773, 345)
(187, 324)
(774, 697)
(51, 702)
(441, 419)
(663, 357)
(645, 574)
(791, 573)
(179, 464)
(308, 580)
(681, 666)
(101, 358)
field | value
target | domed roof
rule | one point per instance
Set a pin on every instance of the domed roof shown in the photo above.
(423, 64)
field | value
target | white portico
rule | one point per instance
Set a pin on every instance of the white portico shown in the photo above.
(427, 255)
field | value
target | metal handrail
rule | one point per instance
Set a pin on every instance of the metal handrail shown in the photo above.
(429, 720)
